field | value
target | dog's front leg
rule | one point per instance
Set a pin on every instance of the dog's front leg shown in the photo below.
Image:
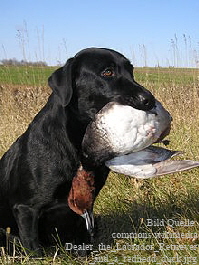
(27, 221)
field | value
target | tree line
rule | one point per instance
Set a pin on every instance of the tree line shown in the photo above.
(15, 62)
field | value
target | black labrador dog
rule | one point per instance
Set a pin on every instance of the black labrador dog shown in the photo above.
(37, 171)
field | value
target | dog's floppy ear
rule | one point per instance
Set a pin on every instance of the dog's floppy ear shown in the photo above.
(61, 82)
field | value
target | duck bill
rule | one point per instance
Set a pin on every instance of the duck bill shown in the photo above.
(89, 218)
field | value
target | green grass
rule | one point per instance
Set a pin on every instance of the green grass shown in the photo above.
(28, 75)
(25, 75)
(158, 75)
(124, 205)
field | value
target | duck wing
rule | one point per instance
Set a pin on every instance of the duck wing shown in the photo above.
(150, 162)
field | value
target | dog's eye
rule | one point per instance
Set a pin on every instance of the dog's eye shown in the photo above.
(108, 72)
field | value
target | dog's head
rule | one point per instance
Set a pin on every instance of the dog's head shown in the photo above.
(94, 77)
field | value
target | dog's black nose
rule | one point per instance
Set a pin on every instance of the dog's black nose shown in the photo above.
(146, 101)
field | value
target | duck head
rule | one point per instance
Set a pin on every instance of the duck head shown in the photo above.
(82, 195)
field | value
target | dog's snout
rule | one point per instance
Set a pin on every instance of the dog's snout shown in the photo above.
(135, 95)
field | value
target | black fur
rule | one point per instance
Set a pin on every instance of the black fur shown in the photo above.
(37, 171)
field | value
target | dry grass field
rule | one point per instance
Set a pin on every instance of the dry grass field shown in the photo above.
(125, 236)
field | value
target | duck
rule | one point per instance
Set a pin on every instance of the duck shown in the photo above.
(123, 138)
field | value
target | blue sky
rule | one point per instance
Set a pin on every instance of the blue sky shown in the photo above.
(148, 32)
